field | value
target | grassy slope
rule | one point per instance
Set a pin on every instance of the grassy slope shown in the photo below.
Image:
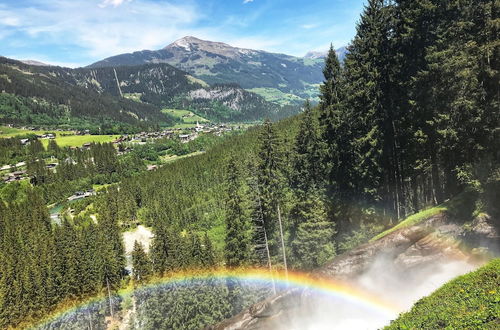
(471, 301)
(413, 220)
(457, 206)
(186, 116)
(277, 96)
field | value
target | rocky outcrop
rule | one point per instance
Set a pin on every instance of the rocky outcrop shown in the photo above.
(408, 251)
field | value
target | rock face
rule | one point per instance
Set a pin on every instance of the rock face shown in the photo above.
(412, 252)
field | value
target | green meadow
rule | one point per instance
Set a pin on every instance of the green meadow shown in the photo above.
(63, 138)
(79, 140)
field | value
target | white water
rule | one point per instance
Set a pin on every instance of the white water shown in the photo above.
(401, 290)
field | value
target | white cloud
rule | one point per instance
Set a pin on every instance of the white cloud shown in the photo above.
(9, 19)
(309, 26)
(114, 3)
(247, 1)
(103, 31)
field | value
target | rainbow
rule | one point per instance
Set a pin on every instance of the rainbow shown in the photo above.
(317, 285)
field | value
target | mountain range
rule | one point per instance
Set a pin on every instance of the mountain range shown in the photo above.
(212, 79)
(277, 77)
(123, 95)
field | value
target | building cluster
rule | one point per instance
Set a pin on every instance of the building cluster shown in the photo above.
(184, 134)
(15, 176)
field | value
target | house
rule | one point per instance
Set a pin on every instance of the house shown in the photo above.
(185, 138)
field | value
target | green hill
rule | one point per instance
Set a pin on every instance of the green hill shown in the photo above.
(45, 96)
(471, 301)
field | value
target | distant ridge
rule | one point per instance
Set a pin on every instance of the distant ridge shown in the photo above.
(36, 63)
(341, 53)
(266, 73)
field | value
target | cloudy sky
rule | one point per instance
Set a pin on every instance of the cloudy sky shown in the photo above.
(79, 32)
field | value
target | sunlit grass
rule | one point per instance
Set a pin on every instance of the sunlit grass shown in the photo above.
(412, 220)
(471, 301)
(79, 140)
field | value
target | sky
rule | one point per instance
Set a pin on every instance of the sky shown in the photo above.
(76, 33)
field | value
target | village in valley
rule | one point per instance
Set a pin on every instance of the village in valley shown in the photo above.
(124, 144)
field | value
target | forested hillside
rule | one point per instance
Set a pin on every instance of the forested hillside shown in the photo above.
(33, 95)
(152, 86)
(410, 120)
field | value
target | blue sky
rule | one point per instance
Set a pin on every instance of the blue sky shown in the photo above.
(79, 32)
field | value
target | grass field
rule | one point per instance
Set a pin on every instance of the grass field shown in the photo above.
(170, 158)
(7, 132)
(276, 96)
(62, 141)
(79, 140)
(186, 116)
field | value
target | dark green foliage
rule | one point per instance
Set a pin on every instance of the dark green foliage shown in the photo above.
(312, 233)
(43, 264)
(141, 264)
(236, 249)
(311, 230)
(271, 180)
(416, 112)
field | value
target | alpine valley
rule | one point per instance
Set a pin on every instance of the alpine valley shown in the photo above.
(204, 186)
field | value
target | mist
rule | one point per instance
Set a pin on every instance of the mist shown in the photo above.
(384, 280)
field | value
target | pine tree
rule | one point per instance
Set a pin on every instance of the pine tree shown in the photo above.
(53, 148)
(307, 164)
(209, 259)
(271, 182)
(110, 236)
(141, 264)
(237, 244)
(161, 250)
(312, 245)
(332, 96)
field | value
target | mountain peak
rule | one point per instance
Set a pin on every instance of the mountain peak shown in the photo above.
(341, 53)
(192, 44)
(316, 54)
(185, 42)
